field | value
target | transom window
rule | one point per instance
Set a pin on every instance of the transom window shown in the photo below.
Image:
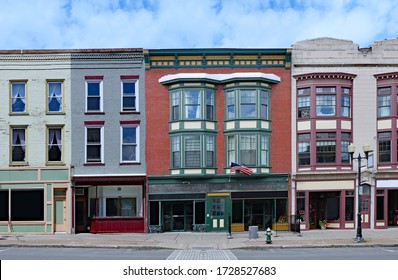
(18, 97)
(54, 97)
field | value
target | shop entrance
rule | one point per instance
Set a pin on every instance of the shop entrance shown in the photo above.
(324, 206)
(259, 213)
(218, 211)
(81, 210)
(177, 216)
(393, 207)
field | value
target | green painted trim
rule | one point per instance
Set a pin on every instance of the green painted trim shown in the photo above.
(28, 228)
(49, 228)
(49, 192)
(218, 58)
(3, 228)
(55, 174)
(21, 186)
(218, 178)
(20, 175)
(49, 212)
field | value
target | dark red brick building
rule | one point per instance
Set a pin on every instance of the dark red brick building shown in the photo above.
(209, 109)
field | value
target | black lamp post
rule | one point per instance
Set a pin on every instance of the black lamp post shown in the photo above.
(359, 158)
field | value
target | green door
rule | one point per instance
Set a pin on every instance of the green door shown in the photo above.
(218, 211)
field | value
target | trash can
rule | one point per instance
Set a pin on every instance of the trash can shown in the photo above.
(253, 232)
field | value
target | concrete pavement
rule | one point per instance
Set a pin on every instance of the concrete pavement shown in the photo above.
(194, 240)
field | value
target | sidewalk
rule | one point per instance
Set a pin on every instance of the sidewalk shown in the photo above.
(193, 240)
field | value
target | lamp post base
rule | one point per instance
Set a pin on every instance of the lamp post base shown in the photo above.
(359, 239)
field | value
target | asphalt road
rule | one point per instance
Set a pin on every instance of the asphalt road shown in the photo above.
(347, 253)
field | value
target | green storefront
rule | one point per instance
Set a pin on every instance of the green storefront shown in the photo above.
(216, 202)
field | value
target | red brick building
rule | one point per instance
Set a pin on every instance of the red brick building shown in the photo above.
(207, 109)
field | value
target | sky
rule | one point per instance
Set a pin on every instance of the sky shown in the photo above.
(161, 24)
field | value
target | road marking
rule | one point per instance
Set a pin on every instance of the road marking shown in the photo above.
(202, 255)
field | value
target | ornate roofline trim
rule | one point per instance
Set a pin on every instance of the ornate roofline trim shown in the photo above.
(383, 76)
(337, 75)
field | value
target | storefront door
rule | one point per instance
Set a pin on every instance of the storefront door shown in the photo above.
(60, 214)
(178, 216)
(218, 211)
(364, 205)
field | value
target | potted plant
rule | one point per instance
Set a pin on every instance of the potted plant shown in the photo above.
(323, 223)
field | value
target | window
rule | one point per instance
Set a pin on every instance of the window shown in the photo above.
(4, 205)
(121, 206)
(231, 149)
(264, 150)
(345, 102)
(94, 96)
(349, 206)
(210, 154)
(195, 104)
(304, 151)
(384, 145)
(303, 101)
(94, 147)
(264, 104)
(18, 97)
(384, 102)
(18, 147)
(54, 144)
(247, 103)
(192, 104)
(54, 97)
(248, 150)
(209, 105)
(380, 205)
(345, 142)
(192, 151)
(27, 205)
(129, 96)
(325, 148)
(230, 104)
(129, 143)
(175, 150)
(325, 102)
(175, 106)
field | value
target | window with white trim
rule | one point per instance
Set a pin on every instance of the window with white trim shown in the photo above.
(129, 143)
(94, 92)
(94, 144)
(129, 95)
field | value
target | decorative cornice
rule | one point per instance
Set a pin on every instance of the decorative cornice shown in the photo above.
(383, 76)
(337, 75)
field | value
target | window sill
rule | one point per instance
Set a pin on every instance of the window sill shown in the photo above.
(130, 163)
(94, 164)
(16, 164)
(55, 164)
(18, 114)
(130, 113)
(55, 113)
(94, 113)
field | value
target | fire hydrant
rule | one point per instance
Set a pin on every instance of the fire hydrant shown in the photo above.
(268, 234)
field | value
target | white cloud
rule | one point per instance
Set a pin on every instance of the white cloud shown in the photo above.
(26, 24)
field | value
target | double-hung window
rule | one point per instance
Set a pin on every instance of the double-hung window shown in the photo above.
(248, 103)
(192, 151)
(18, 145)
(94, 92)
(54, 144)
(129, 95)
(94, 144)
(303, 103)
(304, 149)
(384, 147)
(248, 150)
(192, 104)
(326, 147)
(384, 102)
(54, 96)
(129, 142)
(230, 104)
(18, 97)
(345, 102)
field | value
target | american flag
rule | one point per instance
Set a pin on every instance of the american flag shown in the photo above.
(241, 168)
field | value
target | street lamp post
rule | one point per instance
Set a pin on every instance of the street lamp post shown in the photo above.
(359, 158)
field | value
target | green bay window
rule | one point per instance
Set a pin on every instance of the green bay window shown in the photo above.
(250, 103)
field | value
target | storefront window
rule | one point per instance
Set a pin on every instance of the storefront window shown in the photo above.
(380, 205)
(120, 207)
(349, 206)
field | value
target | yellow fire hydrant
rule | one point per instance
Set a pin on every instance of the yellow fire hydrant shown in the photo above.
(268, 234)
